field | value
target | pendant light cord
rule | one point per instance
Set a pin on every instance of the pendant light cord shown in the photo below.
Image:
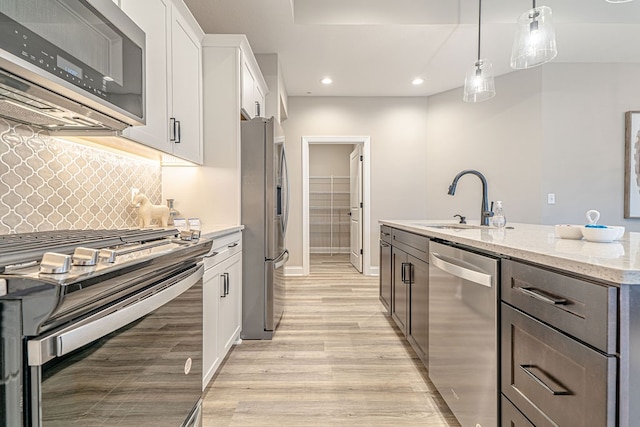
(479, 22)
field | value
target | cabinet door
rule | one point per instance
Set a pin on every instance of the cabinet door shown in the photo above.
(258, 101)
(153, 17)
(186, 90)
(230, 318)
(248, 87)
(210, 297)
(419, 307)
(400, 303)
(385, 275)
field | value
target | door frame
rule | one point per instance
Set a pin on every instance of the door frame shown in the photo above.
(365, 141)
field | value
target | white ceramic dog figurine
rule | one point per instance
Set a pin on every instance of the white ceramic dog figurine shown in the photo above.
(148, 211)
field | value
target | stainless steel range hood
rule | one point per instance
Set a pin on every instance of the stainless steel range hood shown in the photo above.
(71, 66)
(27, 103)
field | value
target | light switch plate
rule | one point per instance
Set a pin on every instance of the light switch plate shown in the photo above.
(551, 198)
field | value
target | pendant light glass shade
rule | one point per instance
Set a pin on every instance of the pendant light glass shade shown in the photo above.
(535, 41)
(479, 84)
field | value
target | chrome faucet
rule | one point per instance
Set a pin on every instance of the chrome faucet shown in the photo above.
(485, 212)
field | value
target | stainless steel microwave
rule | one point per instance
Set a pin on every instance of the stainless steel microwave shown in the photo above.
(71, 65)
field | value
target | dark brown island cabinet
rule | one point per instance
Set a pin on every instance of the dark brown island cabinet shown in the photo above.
(568, 343)
(404, 278)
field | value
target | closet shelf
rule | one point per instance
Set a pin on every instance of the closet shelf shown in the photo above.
(329, 204)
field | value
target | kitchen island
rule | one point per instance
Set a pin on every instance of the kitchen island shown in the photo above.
(567, 316)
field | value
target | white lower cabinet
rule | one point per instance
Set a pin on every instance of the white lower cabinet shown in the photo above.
(222, 300)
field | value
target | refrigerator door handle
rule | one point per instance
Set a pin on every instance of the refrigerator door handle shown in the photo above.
(285, 176)
(281, 260)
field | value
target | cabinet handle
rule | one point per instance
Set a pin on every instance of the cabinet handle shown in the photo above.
(527, 370)
(543, 296)
(384, 245)
(178, 140)
(226, 290)
(402, 273)
(410, 278)
(233, 245)
(257, 109)
(224, 285)
(406, 279)
(172, 129)
(383, 233)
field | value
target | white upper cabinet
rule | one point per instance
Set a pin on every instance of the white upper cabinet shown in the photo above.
(154, 17)
(253, 88)
(173, 78)
(277, 98)
(186, 117)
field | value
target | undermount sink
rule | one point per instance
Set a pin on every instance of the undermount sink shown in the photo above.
(452, 226)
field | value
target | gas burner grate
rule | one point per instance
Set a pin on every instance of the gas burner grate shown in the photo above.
(27, 247)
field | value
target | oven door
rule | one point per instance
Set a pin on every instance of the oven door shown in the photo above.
(138, 362)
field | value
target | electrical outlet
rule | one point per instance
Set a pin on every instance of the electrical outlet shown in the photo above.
(551, 198)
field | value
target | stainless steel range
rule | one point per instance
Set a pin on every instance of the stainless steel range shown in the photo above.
(101, 327)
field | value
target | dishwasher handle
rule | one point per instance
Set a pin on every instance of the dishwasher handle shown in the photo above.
(450, 266)
(58, 344)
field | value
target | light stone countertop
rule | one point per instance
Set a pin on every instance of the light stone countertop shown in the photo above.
(216, 231)
(617, 262)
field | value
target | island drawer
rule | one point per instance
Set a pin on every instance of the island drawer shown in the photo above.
(555, 380)
(413, 244)
(385, 233)
(511, 416)
(583, 309)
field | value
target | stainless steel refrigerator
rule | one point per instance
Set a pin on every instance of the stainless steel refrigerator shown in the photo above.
(265, 210)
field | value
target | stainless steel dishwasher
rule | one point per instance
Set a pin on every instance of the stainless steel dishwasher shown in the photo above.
(463, 332)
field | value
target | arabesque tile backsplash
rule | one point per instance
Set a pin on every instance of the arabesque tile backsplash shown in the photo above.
(50, 184)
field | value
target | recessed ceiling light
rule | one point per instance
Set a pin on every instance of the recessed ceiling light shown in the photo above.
(326, 81)
(417, 81)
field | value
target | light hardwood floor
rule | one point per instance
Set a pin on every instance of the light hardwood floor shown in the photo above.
(335, 360)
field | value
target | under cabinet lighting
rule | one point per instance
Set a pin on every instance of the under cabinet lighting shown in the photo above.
(618, 1)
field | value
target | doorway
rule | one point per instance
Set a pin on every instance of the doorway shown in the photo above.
(335, 203)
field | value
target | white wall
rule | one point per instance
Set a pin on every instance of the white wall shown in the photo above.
(583, 121)
(397, 127)
(329, 159)
(557, 129)
(501, 138)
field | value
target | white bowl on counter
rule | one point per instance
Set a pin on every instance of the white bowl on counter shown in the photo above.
(602, 234)
(568, 231)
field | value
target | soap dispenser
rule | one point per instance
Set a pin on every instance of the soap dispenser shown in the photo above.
(498, 219)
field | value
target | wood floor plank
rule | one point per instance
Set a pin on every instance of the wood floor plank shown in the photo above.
(335, 360)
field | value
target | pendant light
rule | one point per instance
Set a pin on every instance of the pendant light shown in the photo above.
(535, 42)
(478, 83)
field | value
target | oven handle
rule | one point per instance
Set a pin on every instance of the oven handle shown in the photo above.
(41, 350)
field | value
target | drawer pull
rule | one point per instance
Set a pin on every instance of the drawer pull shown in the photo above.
(543, 296)
(233, 245)
(386, 234)
(528, 370)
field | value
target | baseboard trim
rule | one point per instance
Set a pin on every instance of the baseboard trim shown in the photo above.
(293, 271)
(374, 271)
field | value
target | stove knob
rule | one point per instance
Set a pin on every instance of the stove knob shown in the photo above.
(107, 255)
(85, 256)
(53, 263)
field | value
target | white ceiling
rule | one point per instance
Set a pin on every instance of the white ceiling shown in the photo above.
(377, 47)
